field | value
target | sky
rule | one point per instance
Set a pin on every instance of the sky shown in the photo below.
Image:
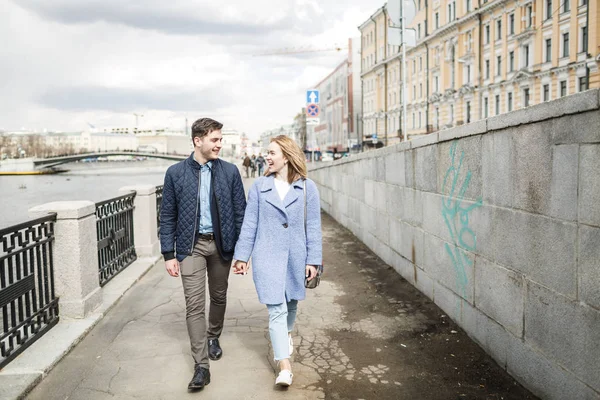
(66, 64)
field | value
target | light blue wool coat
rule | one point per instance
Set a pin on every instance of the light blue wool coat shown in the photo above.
(273, 234)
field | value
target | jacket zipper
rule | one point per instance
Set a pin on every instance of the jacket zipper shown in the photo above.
(196, 218)
(216, 202)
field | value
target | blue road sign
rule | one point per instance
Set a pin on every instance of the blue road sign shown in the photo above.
(312, 96)
(312, 110)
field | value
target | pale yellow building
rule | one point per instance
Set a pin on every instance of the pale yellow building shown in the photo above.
(475, 59)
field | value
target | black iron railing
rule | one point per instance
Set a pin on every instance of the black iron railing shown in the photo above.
(28, 303)
(159, 195)
(114, 227)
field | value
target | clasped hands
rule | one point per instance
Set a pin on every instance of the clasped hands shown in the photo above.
(241, 268)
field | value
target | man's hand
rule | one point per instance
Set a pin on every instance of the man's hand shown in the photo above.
(172, 267)
(240, 267)
(311, 272)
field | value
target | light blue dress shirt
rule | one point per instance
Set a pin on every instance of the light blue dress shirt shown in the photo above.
(205, 224)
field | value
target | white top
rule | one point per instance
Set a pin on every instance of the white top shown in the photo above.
(282, 188)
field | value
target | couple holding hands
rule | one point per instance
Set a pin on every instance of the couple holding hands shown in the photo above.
(206, 223)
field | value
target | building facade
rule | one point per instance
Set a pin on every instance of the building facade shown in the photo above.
(474, 59)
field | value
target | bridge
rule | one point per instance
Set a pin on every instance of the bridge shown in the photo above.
(31, 166)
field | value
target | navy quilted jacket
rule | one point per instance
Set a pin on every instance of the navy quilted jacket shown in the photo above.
(180, 208)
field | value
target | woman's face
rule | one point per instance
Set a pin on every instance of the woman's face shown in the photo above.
(275, 158)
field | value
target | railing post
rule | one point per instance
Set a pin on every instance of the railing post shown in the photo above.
(75, 256)
(144, 219)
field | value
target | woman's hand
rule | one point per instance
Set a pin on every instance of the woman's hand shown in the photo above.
(311, 272)
(240, 267)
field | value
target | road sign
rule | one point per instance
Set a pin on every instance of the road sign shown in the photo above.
(395, 37)
(312, 111)
(312, 121)
(312, 96)
(395, 12)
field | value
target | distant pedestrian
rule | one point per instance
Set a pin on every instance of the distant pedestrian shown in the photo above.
(253, 165)
(283, 249)
(246, 164)
(197, 238)
(260, 163)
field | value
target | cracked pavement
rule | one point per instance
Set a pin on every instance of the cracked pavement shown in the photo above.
(364, 333)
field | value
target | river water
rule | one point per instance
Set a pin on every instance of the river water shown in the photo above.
(84, 181)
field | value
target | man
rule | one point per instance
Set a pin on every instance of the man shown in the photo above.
(260, 162)
(246, 164)
(200, 220)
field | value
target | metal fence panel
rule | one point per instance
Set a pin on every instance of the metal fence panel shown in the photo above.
(114, 227)
(28, 303)
(159, 196)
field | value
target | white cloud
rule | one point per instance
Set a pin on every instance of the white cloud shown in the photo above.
(68, 62)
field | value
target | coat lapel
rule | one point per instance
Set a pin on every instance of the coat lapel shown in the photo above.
(271, 195)
(293, 194)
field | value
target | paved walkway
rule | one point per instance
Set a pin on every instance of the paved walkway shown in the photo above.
(365, 333)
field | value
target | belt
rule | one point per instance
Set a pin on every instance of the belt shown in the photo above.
(206, 236)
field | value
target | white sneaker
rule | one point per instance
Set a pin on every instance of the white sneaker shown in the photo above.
(284, 378)
(291, 344)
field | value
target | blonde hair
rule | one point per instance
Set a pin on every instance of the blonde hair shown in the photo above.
(296, 160)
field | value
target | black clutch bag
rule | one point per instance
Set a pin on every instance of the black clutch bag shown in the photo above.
(314, 282)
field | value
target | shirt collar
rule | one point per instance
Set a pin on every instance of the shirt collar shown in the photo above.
(208, 164)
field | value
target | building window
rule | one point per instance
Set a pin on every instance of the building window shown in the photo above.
(583, 83)
(451, 11)
(548, 9)
(546, 89)
(451, 114)
(563, 88)
(420, 90)
(468, 78)
(526, 55)
(437, 118)
(498, 65)
(487, 69)
(485, 107)
(511, 24)
(420, 119)
(414, 91)
(584, 39)
(487, 34)
(548, 50)
(468, 5)
(565, 37)
(511, 61)
(418, 31)
(526, 97)
(529, 15)
(566, 6)
(414, 120)
(509, 101)
(437, 20)
(583, 2)
(436, 81)
(420, 63)
(468, 112)
(499, 30)
(497, 104)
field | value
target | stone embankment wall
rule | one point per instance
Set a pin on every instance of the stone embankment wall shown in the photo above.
(498, 222)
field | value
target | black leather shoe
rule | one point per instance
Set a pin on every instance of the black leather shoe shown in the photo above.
(214, 350)
(201, 378)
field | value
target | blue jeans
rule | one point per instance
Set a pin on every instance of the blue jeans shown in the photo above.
(281, 322)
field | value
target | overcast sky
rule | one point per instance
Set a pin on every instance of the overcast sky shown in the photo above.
(67, 63)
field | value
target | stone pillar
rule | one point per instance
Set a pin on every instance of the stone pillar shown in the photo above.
(144, 220)
(75, 256)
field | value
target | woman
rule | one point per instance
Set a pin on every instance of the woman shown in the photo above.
(283, 250)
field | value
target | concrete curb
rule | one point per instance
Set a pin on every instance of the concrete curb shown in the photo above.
(26, 371)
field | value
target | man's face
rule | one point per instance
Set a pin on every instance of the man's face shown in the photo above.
(210, 145)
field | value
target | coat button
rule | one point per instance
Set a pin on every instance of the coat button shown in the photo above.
(285, 225)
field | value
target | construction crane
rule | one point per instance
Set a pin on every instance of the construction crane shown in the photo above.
(298, 50)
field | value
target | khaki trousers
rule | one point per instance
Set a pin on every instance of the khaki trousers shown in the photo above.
(204, 261)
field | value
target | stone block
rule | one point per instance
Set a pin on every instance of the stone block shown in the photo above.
(564, 330)
(379, 164)
(448, 301)
(574, 129)
(382, 227)
(369, 192)
(490, 335)
(395, 201)
(367, 218)
(589, 184)
(426, 140)
(423, 282)
(474, 128)
(542, 376)
(460, 168)
(499, 293)
(541, 248)
(395, 169)
(426, 162)
(450, 265)
(380, 196)
(532, 173)
(407, 241)
(409, 163)
(589, 265)
(433, 215)
(404, 267)
(563, 187)
(384, 252)
(497, 168)
(413, 207)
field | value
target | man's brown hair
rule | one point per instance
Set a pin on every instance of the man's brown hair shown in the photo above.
(204, 126)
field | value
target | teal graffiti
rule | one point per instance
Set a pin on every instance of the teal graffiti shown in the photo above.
(456, 217)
